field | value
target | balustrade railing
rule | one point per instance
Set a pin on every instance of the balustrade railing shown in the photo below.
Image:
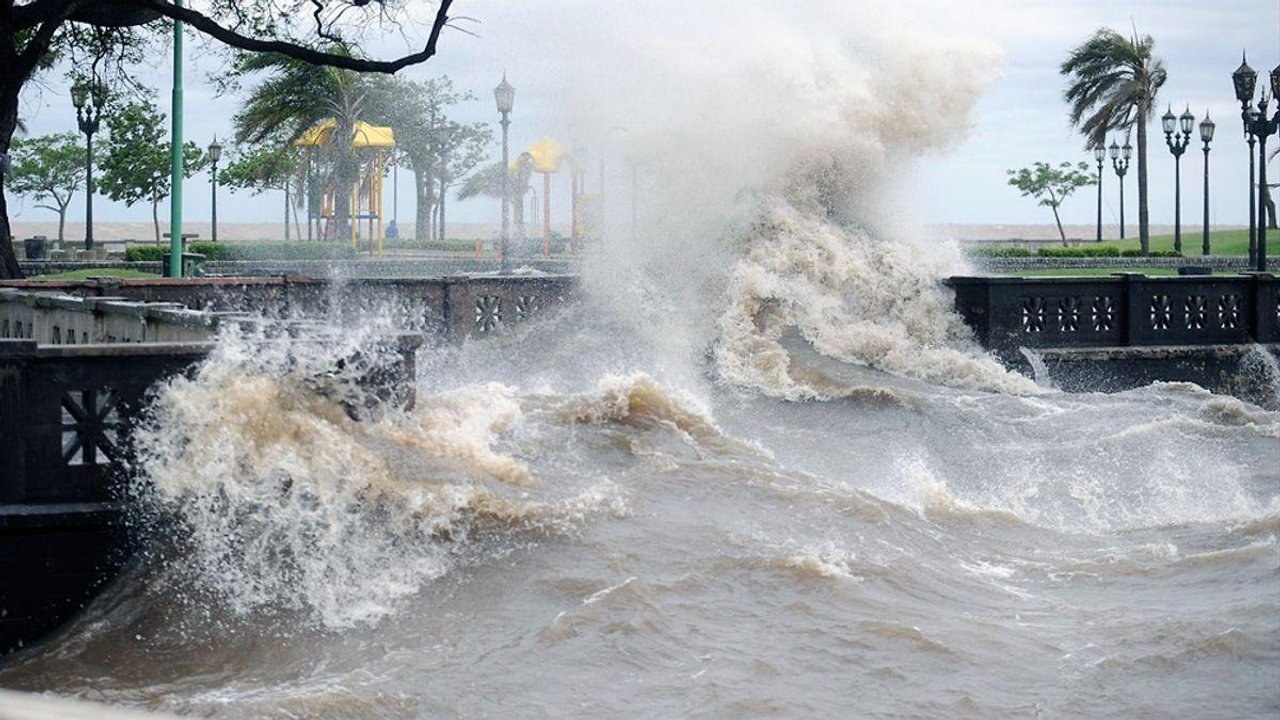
(1123, 310)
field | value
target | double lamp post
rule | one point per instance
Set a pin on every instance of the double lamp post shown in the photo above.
(1257, 127)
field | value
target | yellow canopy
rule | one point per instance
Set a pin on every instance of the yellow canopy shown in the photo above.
(364, 135)
(547, 154)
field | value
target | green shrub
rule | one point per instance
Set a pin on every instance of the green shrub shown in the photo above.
(297, 250)
(1084, 251)
(145, 253)
(998, 252)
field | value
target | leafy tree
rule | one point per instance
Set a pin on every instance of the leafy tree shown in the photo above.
(35, 32)
(1052, 185)
(50, 169)
(487, 182)
(1113, 81)
(438, 160)
(136, 161)
(260, 168)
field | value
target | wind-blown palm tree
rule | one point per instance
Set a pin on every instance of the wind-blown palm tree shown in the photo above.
(292, 98)
(1113, 85)
(487, 181)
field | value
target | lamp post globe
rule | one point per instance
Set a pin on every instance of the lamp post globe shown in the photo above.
(504, 96)
(215, 154)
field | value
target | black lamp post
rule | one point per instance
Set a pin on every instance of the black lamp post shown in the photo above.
(88, 99)
(1206, 136)
(1259, 126)
(1099, 154)
(1120, 162)
(505, 96)
(1244, 79)
(215, 154)
(1177, 134)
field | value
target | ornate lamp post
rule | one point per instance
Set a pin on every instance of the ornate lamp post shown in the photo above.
(1206, 136)
(505, 96)
(88, 99)
(1120, 162)
(1177, 133)
(215, 154)
(1099, 154)
(1259, 126)
(1244, 79)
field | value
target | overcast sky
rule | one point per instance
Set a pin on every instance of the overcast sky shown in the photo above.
(1020, 117)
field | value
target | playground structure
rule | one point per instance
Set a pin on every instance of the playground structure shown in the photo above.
(371, 145)
(546, 157)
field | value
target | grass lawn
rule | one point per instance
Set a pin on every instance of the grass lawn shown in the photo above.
(96, 272)
(1221, 242)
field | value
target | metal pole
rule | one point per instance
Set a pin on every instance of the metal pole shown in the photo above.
(214, 176)
(1253, 217)
(1262, 186)
(1121, 206)
(286, 210)
(1177, 203)
(175, 157)
(88, 189)
(504, 267)
(307, 200)
(1099, 238)
(1205, 244)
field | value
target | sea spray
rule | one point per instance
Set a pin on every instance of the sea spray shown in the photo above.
(285, 502)
(773, 180)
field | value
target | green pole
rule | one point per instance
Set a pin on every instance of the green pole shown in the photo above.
(175, 179)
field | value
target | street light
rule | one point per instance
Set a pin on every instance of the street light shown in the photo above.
(1206, 136)
(1244, 79)
(215, 154)
(505, 96)
(88, 100)
(1099, 154)
(1259, 127)
(1120, 162)
(1177, 134)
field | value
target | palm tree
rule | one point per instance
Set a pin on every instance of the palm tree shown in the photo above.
(1113, 86)
(487, 181)
(294, 97)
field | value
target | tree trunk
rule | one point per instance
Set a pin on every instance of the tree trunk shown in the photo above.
(1058, 220)
(62, 222)
(424, 191)
(9, 268)
(155, 217)
(1144, 230)
(11, 79)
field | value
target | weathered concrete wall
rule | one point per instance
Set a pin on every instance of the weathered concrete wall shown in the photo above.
(1244, 371)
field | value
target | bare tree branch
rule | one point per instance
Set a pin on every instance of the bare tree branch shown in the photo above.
(211, 28)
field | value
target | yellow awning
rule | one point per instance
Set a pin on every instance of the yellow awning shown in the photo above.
(547, 154)
(363, 134)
